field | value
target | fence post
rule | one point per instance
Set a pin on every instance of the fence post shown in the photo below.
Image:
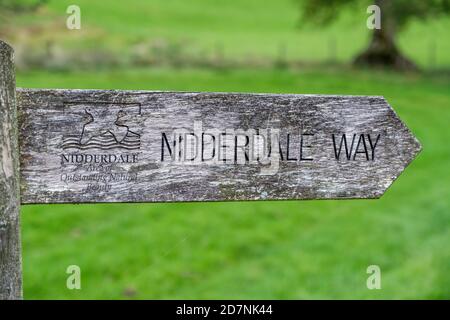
(10, 246)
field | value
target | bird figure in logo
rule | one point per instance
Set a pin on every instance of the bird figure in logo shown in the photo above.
(102, 123)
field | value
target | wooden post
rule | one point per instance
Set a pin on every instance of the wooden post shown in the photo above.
(10, 247)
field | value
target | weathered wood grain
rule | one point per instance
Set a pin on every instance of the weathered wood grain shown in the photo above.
(10, 254)
(57, 126)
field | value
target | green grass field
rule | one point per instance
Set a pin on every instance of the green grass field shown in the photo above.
(294, 249)
(284, 249)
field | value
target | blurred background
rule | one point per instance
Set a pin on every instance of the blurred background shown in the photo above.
(246, 250)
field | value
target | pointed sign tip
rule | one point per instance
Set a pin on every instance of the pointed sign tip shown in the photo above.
(413, 154)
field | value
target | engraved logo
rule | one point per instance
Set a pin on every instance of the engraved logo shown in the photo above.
(104, 130)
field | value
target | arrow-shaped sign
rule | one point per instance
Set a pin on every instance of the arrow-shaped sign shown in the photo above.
(138, 146)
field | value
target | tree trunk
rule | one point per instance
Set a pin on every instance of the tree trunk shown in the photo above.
(382, 50)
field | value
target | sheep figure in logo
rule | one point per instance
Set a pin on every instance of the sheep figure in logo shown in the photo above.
(103, 123)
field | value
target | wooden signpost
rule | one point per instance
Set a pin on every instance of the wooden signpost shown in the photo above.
(91, 146)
